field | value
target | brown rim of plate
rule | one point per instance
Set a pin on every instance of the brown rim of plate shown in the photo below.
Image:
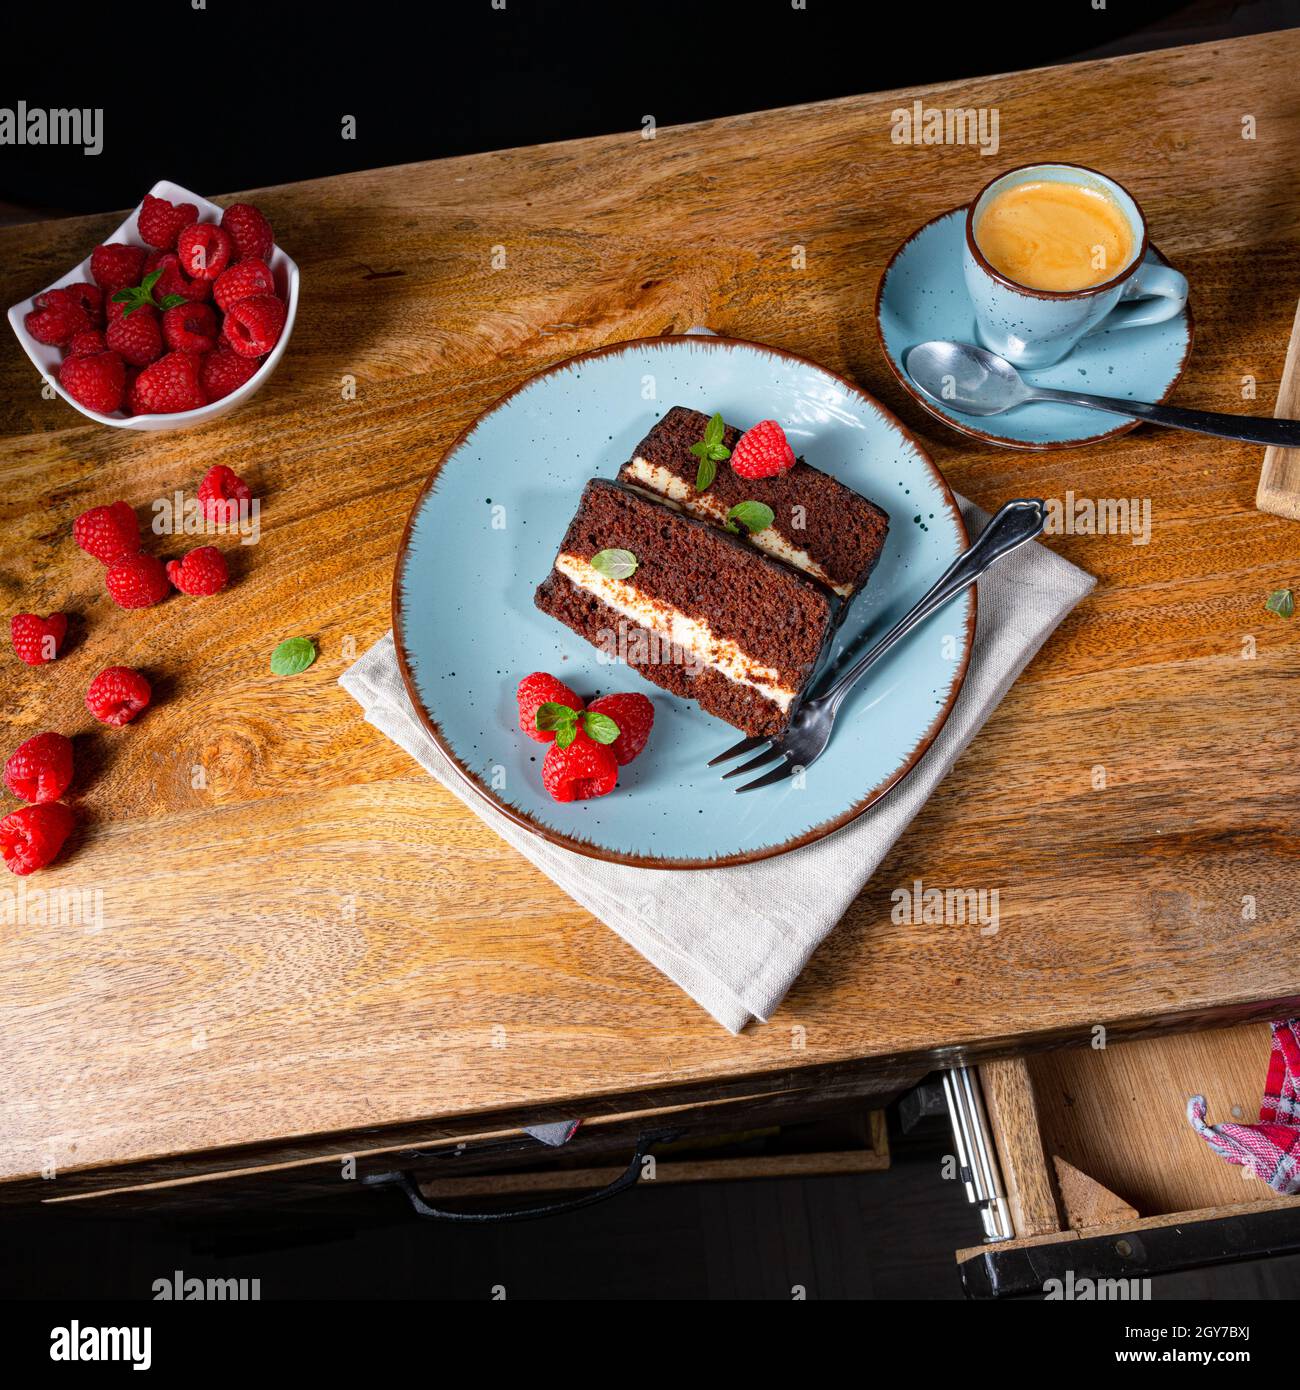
(1089, 290)
(591, 851)
(1001, 441)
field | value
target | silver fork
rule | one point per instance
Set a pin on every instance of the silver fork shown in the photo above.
(808, 733)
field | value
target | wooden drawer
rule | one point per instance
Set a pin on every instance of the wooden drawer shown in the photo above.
(1102, 1174)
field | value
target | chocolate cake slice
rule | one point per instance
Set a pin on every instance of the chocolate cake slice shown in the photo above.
(702, 614)
(819, 526)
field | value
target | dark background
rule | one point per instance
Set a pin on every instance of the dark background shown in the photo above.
(240, 94)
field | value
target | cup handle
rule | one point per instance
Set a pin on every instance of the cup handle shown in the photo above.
(1154, 294)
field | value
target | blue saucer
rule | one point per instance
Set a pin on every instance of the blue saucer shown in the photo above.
(922, 295)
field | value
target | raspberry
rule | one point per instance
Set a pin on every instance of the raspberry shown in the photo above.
(139, 581)
(96, 380)
(202, 571)
(41, 768)
(173, 279)
(190, 327)
(253, 325)
(160, 222)
(762, 452)
(87, 343)
(204, 250)
(224, 371)
(168, 385)
(32, 836)
(247, 278)
(113, 266)
(108, 533)
(37, 640)
(249, 230)
(90, 297)
(582, 770)
(117, 695)
(57, 319)
(540, 689)
(222, 492)
(136, 335)
(634, 714)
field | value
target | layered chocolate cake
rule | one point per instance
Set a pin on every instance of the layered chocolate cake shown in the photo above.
(697, 611)
(819, 526)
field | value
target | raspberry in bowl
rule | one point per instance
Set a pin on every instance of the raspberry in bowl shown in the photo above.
(75, 334)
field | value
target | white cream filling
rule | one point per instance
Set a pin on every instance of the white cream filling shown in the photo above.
(706, 507)
(692, 635)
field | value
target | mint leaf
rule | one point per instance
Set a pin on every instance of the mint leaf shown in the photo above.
(171, 301)
(551, 715)
(141, 295)
(705, 473)
(599, 726)
(753, 516)
(566, 733)
(614, 564)
(1281, 602)
(294, 654)
(710, 451)
(714, 431)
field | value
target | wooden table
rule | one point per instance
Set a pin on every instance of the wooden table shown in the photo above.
(308, 947)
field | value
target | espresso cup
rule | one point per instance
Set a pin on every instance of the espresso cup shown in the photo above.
(1036, 327)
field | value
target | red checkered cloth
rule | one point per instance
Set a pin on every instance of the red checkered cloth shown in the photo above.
(1270, 1149)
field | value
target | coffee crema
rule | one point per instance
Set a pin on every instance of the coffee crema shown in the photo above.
(1048, 235)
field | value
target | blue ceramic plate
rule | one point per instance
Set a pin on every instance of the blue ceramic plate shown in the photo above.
(922, 295)
(485, 531)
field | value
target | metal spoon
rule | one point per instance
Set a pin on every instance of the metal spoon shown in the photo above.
(974, 381)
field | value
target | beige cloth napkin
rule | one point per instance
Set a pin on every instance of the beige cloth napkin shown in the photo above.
(736, 939)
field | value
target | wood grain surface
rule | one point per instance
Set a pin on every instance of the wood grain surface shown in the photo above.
(302, 935)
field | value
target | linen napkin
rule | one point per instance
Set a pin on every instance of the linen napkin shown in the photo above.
(1271, 1148)
(735, 939)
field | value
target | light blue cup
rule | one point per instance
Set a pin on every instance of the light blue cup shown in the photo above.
(1034, 328)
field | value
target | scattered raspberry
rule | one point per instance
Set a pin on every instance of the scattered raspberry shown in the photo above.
(540, 689)
(224, 371)
(108, 533)
(168, 385)
(222, 491)
(87, 343)
(115, 266)
(249, 277)
(41, 768)
(139, 581)
(762, 452)
(32, 836)
(582, 770)
(253, 325)
(96, 380)
(57, 318)
(204, 250)
(37, 640)
(117, 695)
(249, 231)
(90, 297)
(173, 279)
(635, 716)
(160, 222)
(190, 327)
(202, 571)
(137, 336)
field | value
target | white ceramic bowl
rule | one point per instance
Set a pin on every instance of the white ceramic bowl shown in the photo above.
(283, 270)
